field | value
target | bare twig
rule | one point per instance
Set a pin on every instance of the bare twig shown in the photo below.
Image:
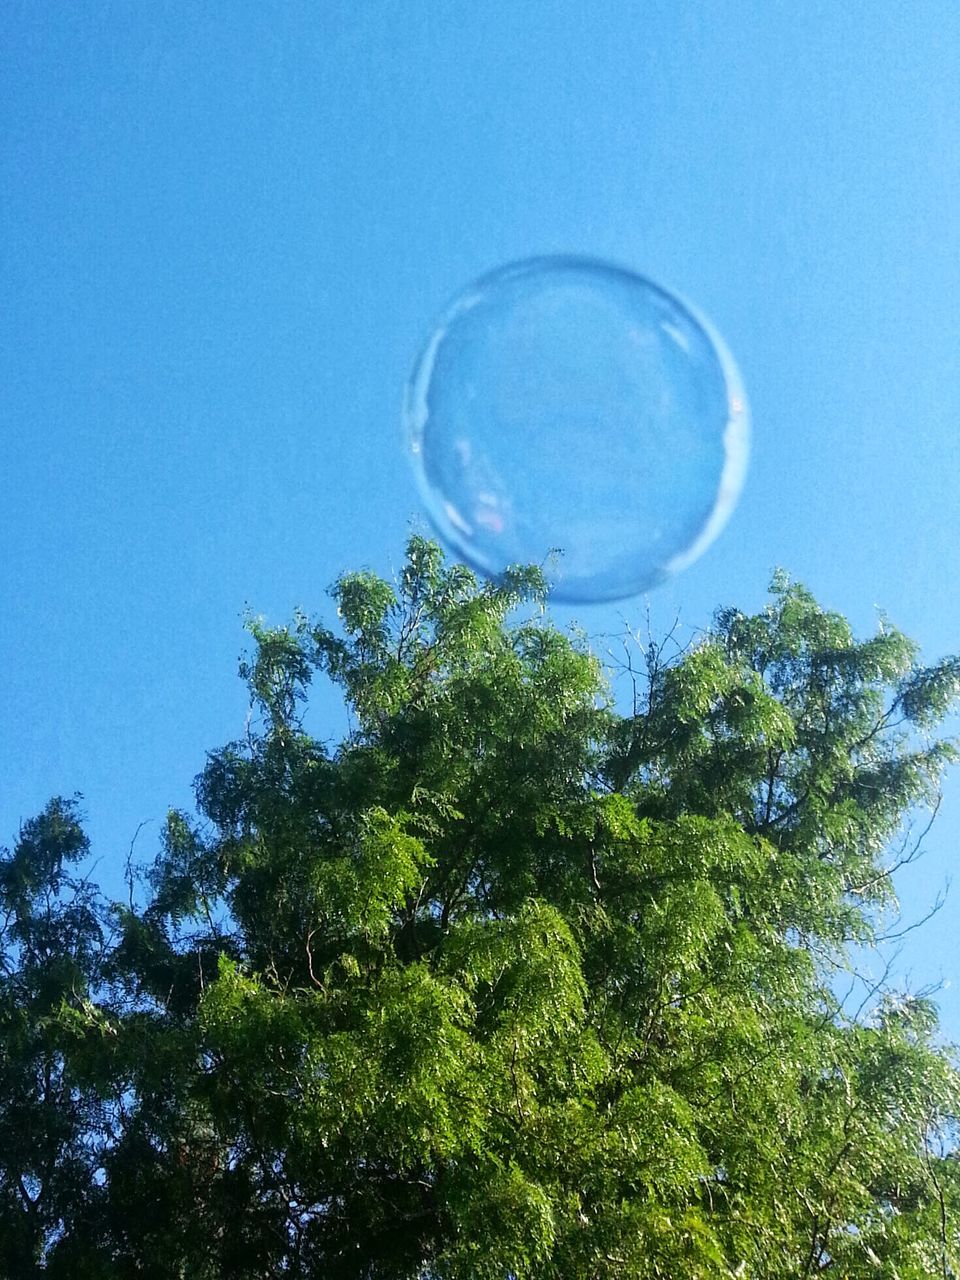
(937, 906)
(128, 866)
(904, 858)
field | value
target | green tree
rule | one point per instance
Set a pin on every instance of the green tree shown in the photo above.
(510, 983)
(52, 1122)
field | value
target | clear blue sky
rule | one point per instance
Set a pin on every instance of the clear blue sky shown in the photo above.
(226, 228)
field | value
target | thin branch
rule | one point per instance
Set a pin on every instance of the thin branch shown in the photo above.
(593, 874)
(516, 1086)
(903, 859)
(128, 865)
(944, 1259)
(879, 985)
(917, 924)
(313, 977)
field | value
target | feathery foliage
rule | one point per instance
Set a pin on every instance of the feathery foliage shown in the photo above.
(510, 984)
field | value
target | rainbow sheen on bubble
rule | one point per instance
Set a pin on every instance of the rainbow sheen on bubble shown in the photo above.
(564, 405)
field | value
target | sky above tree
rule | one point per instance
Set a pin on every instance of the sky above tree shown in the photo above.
(225, 235)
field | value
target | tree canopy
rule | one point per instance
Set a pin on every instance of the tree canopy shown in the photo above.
(509, 983)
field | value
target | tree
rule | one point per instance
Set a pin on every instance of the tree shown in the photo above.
(52, 1121)
(509, 983)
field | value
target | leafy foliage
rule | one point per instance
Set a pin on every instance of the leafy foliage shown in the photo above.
(510, 984)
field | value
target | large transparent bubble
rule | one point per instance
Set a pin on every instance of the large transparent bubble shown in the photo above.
(567, 406)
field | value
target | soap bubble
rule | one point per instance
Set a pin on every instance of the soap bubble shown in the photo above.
(567, 405)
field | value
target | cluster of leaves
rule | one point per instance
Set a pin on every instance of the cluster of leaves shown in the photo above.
(509, 984)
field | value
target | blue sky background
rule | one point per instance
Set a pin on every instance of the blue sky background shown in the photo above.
(225, 230)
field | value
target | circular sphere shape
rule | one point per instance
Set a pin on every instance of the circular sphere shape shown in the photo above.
(570, 413)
